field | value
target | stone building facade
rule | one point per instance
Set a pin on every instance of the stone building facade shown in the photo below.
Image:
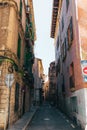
(69, 31)
(14, 25)
(52, 83)
(38, 73)
(46, 90)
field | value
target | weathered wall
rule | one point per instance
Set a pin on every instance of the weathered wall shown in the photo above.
(9, 30)
(74, 54)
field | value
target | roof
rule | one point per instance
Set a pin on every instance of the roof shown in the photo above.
(54, 17)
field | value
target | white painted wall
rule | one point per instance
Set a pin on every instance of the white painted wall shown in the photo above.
(81, 115)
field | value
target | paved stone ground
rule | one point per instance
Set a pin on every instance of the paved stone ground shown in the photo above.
(49, 118)
(23, 122)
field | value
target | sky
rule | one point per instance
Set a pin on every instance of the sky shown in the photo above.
(44, 45)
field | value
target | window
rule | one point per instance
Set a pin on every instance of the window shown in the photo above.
(74, 102)
(71, 78)
(71, 29)
(56, 70)
(67, 4)
(62, 23)
(19, 47)
(70, 33)
(58, 67)
(16, 97)
(1, 77)
(21, 8)
(26, 2)
(64, 50)
(63, 84)
(57, 43)
(0, 73)
(67, 40)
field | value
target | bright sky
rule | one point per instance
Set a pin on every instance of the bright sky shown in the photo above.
(44, 45)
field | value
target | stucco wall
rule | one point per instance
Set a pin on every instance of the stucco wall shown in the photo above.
(81, 112)
(9, 30)
(76, 53)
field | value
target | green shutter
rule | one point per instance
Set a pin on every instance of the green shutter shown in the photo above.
(19, 47)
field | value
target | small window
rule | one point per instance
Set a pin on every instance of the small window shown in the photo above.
(26, 2)
(62, 23)
(57, 43)
(64, 50)
(0, 73)
(58, 67)
(71, 78)
(74, 104)
(67, 40)
(63, 84)
(70, 33)
(71, 29)
(67, 4)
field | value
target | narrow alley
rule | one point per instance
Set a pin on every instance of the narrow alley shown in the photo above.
(43, 64)
(50, 118)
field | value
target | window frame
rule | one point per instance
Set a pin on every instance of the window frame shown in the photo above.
(67, 5)
(71, 77)
(62, 23)
(70, 33)
(64, 50)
